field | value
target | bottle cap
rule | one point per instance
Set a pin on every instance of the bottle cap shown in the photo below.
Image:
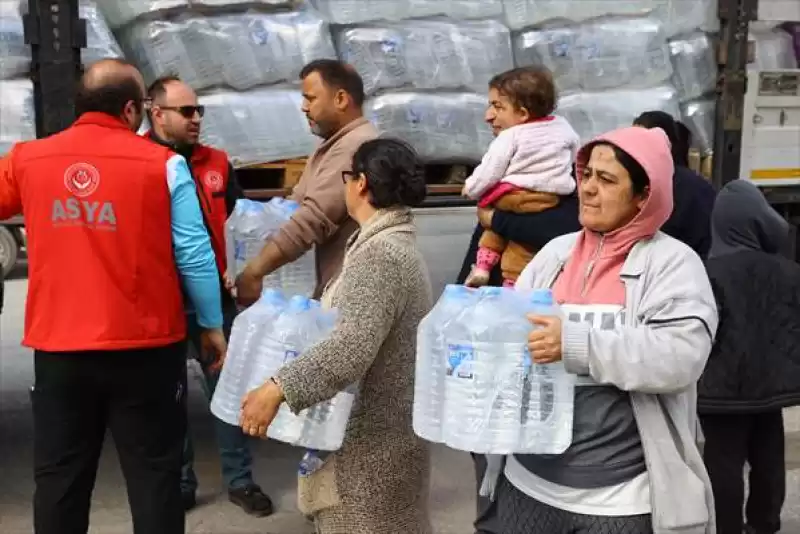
(489, 291)
(273, 296)
(299, 303)
(543, 297)
(455, 290)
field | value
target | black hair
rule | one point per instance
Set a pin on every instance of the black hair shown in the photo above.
(640, 181)
(665, 121)
(395, 176)
(158, 88)
(338, 75)
(111, 96)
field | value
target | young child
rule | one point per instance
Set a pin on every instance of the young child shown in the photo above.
(527, 166)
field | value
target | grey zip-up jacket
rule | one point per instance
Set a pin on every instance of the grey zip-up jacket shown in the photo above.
(658, 356)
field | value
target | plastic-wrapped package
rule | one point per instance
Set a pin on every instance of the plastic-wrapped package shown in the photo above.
(428, 54)
(603, 54)
(442, 127)
(774, 49)
(119, 13)
(694, 65)
(239, 3)
(240, 51)
(360, 11)
(698, 116)
(794, 30)
(594, 113)
(679, 16)
(15, 55)
(17, 118)
(100, 42)
(264, 124)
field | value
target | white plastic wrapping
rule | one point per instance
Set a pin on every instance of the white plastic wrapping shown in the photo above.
(427, 54)
(594, 113)
(360, 11)
(119, 13)
(264, 124)
(694, 64)
(17, 118)
(679, 16)
(239, 51)
(774, 49)
(698, 116)
(603, 54)
(15, 55)
(442, 127)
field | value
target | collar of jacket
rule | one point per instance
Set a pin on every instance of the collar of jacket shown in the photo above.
(635, 262)
(105, 120)
(388, 220)
(194, 154)
(346, 129)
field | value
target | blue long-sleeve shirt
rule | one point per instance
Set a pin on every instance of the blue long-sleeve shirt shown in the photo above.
(193, 253)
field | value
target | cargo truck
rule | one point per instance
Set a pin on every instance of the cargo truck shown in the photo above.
(756, 134)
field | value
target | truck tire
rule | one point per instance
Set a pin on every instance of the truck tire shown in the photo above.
(9, 250)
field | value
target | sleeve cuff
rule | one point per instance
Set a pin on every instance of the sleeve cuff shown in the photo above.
(575, 347)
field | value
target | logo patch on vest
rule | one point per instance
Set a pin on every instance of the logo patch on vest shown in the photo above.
(81, 179)
(213, 181)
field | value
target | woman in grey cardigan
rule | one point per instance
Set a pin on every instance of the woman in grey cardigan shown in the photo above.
(378, 481)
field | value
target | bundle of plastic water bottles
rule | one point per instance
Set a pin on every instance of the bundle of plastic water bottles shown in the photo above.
(246, 232)
(476, 388)
(265, 337)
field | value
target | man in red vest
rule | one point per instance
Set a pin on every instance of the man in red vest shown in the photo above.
(176, 118)
(114, 232)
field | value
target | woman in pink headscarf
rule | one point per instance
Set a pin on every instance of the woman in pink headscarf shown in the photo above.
(637, 325)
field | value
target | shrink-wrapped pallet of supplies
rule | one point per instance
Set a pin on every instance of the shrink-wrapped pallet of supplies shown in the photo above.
(698, 116)
(442, 127)
(17, 119)
(360, 11)
(120, 13)
(240, 51)
(427, 54)
(694, 65)
(677, 16)
(264, 124)
(15, 55)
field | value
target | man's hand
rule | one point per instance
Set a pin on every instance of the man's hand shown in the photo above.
(213, 347)
(249, 286)
(485, 217)
(544, 343)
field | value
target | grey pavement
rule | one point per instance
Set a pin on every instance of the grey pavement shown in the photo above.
(452, 501)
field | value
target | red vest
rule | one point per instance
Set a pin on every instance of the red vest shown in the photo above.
(210, 170)
(102, 274)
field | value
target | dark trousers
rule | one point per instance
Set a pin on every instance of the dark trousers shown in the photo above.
(732, 440)
(486, 520)
(138, 395)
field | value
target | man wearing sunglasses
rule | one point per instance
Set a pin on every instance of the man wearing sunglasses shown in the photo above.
(175, 118)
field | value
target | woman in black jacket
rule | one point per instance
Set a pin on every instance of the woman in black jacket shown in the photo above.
(754, 368)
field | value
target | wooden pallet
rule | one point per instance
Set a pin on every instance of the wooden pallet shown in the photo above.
(266, 180)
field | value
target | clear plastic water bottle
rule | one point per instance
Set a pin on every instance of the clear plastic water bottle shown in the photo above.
(310, 463)
(246, 231)
(485, 369)
(548, 396)
(249, 329)
(430, 370)
(300, 276)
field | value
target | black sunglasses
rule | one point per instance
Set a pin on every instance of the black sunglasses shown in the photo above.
(187, 111)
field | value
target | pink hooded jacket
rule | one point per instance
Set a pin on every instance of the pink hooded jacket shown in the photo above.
(591, 276)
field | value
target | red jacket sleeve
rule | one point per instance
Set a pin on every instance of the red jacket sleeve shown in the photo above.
(10, 199)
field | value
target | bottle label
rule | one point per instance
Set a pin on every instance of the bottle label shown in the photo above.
(460, 361)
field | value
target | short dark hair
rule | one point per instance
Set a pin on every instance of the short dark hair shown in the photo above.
(111, 96)
(639, 178)
(530, 88)
(395, 176)
(665, 121)
(339, 75)
(158, 88)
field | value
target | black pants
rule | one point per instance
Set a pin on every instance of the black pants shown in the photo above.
(519, 514)
(138, 395)
(732, 440)
(486, 520)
